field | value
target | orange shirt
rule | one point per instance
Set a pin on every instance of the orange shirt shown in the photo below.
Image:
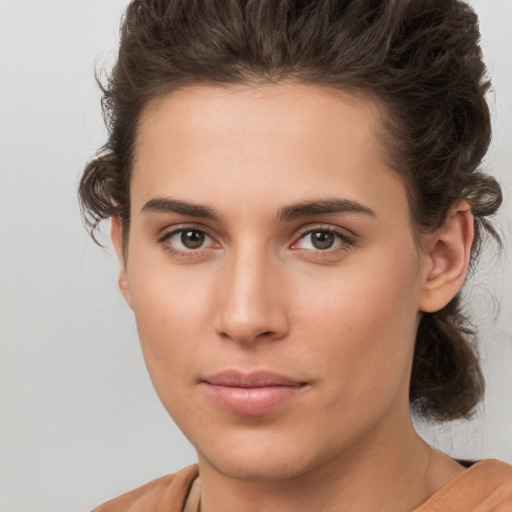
(485, 487)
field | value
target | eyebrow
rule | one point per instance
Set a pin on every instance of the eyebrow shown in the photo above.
(168, 205)
(322, 207)
(287, 213)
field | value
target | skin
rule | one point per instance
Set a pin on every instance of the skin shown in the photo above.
(258, 295)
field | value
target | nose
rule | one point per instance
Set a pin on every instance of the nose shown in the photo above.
(251, 300)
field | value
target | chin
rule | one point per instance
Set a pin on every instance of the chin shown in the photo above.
(261, 468)
(263, 459)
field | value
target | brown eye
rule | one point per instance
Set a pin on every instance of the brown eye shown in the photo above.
(322, 239)
(187, 241)
(192, 239)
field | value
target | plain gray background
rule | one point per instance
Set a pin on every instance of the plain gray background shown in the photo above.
(80, 422)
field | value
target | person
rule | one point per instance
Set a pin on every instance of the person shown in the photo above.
(296, 196)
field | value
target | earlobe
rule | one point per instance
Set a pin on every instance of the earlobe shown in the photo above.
(447, 258)
(116, 233)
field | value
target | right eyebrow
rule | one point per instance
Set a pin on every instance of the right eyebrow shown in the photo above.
(168, 205)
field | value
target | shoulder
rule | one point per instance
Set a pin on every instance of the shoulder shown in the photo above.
(169, 492)
(485, 487)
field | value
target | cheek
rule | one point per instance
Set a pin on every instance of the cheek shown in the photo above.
(171, 313)
(364, 323)
(169, 335)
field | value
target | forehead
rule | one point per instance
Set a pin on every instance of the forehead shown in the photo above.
(284, 113)
(296, 140)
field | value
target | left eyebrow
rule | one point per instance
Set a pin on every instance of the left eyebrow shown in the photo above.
(322, 207)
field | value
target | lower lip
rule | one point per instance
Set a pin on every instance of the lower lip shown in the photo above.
(252, 401)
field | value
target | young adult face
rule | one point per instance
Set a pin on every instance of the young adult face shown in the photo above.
(267, 234)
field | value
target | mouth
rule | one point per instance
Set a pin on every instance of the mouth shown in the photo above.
(253, 393)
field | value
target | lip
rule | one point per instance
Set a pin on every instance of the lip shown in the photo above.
(251, 394)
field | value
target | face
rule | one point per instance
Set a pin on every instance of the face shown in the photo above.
(273, 273)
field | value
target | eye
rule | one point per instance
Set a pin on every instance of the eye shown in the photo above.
(186, 240)
(190, 238)
(322, 240)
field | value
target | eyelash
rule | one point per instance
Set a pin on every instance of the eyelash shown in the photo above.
(190, 253)
(344, 242)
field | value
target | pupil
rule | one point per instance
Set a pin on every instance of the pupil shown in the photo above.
(322, 239)
(192, 239)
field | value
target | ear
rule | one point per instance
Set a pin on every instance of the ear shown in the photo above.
(447, 258)
(116, 234)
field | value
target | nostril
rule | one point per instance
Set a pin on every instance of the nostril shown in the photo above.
(246, 337)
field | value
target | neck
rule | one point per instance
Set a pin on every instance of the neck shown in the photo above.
(389, 470)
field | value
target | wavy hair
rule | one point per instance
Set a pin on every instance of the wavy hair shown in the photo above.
(420, 60)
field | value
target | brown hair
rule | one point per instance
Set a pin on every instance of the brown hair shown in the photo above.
(421, 61)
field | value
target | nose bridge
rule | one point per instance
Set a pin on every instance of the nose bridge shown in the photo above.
(251, 299)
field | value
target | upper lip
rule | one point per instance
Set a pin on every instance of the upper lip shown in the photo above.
(235, 378)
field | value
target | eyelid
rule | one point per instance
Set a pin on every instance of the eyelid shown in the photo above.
(346, 238)
(177, 228)
(345, 234)
(164, 236)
